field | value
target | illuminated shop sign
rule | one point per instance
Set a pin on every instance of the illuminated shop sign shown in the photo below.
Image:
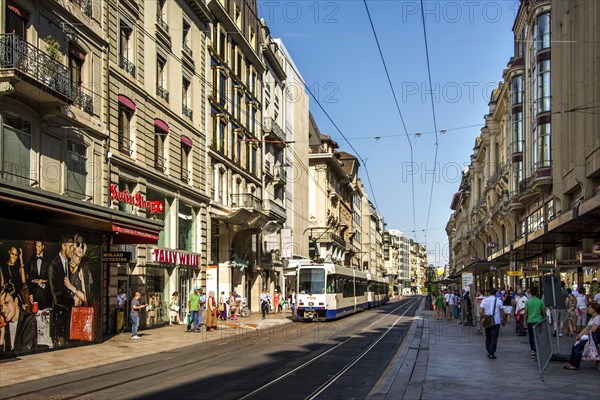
(137, 200)
(167, 256)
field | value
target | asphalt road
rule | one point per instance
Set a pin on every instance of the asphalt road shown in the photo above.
(342, 359)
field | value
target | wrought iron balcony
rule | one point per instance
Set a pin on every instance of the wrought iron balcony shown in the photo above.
(185, 110)
(85, 6)
(162, 92)
(246, 200)
(273, 131)
(160, 163)
(127, 65)
(31, 62)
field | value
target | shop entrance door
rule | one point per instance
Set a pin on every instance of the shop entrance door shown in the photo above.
(185, 280)
(123, 284)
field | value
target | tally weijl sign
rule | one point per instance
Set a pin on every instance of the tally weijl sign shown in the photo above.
(167, 256)
(137, 200)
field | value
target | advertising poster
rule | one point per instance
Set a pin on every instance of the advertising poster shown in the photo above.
(49, 287)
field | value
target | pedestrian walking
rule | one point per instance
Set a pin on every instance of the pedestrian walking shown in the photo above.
(223, 307)
(194, 307)
(507, 306)
(519, 302)
(450, 302)
(581, 308)
(440, 306)
(276, 301)
(584, 336)
(134, 314)
(491, 305)
(292, 301)
(264, 303)
(174, 309)
(212, 312)
(535, 310)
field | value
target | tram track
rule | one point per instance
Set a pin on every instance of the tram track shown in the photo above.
(346, 367)
(155, 370)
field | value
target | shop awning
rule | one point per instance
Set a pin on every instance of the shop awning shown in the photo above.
(124, 235)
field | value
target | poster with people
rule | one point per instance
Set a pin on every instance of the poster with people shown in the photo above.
(49, 287)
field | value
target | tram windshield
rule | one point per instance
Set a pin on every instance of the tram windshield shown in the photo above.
(311, 281)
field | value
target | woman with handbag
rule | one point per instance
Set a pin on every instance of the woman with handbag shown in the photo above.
(174, 309)
(585, 346)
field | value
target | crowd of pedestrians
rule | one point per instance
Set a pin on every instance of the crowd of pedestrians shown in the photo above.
(573, 316)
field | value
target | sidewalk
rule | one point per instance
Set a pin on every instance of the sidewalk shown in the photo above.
(121, 347)
(443, 358)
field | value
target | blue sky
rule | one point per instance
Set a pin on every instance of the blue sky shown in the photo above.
(470, 43)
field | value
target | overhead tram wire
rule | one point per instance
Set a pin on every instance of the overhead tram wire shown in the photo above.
(324, 112)
(434, 120)
(412, 178)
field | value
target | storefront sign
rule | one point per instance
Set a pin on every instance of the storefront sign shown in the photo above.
(514, 273)
(589, 258)
(116, 256)
(137, 200)
(568, 263)
(173, 257)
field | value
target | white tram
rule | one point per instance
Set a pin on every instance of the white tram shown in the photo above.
(328, 291)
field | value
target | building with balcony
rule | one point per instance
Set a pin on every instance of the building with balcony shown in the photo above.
(418, 266)
(54, 186)
(294, 235)
(542, 207)
(391, 253)
(156, 104)
(275, 167)
(235, 159)
(330, 199)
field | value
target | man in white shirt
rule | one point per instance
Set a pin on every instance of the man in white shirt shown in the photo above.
(519, 303)
(581, 309)
(491, 305)
(450, 300)
(597, 297)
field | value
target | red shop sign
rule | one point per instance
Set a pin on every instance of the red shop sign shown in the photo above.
(137, 200)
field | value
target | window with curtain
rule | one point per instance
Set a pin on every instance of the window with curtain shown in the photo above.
(124, 129)
(76, 164)
(16, 148)
(184, 168)
(159, 149)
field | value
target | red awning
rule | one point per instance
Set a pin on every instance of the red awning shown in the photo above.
(161, 125)
(17, 10)
(123, 235)
(186, 141)
(127, 102)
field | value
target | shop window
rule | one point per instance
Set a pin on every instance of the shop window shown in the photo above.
(76, 169)
(129, 187)
(185, 236)
(163, 235)
(16, 148)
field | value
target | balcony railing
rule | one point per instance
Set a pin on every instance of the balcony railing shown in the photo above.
(162, 92)
(185, 110)
(127, 65)
(162, 23)
(271, 127)
(85, 6)
(160, 163)
(34, 63)
(187, 50)
(246, 200)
